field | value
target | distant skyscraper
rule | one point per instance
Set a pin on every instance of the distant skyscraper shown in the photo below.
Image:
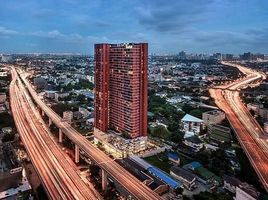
(182, 55)
(121, 88)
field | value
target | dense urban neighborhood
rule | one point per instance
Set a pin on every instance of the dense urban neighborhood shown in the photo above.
(191, 151)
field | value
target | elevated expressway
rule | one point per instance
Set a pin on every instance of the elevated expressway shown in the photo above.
(249, 133)
(109, 167)
(58, 174)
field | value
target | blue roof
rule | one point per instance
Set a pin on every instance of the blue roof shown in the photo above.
(173, 156)
(164, 177)
(89, 94)
(195, 164)
(190, 118)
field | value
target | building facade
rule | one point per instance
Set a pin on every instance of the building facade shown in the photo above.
(213, 117)
(68, 116)
(121, 88)
(265, 127)
(191, 124)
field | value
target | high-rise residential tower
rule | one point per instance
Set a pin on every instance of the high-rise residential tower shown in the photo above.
(121, 88)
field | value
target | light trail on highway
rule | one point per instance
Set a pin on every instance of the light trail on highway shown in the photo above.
(58, 175)
(249, 133)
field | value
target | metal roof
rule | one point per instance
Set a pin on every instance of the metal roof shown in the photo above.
(190, 118)
(164, 177)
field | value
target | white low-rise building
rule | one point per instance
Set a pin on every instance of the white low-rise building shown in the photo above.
(246, 192)
(192, 124)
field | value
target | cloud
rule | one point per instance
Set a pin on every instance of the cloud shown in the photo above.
(43, 13)
(5, 31)
(172, 16)
(84, 20)
(54, 34)
(68, 38)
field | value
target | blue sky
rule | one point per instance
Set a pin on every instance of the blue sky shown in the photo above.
(169, 26)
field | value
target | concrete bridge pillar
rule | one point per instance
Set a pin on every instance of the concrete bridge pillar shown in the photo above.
(104, 180)
(76, 153)
(60, 136)
(49, 122)
(42, 113)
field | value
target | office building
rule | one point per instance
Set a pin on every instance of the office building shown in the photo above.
(121, 88)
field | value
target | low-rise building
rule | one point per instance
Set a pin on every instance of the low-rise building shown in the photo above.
(60, 95)
(174, 158)
(164, 177)
(119, 146)
(246, 192)
(7, 130)
(207, 177)
(263, 112)
(219, 134)
(187, 178)
(230, 183)
(84, 112)
(13, 181)
(194, 142)
(213, 117)
(3, 97)
(68, 116)
(194, 165)
(254, 107)
(50, 94)
(265, 127)
(143, 175)
(192, 124)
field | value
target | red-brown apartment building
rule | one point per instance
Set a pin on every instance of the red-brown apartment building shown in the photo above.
(121, 88)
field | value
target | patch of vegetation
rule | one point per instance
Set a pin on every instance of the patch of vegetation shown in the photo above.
(82, 84)
(163, 133)
(212, 196)
(160, 160)
(60, 108)
(8, 137)
(6, 120)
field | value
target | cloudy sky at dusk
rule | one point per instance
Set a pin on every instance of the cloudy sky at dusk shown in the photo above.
(169, 26)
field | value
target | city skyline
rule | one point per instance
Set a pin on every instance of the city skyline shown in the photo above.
(69, 26)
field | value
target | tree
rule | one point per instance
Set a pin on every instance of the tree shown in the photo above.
(94, 170)
(187, 108)
(126, 135)
(81, 98)
(160, 132)
(196, 113)
(212, 196)
(8, 137)
(173, 126)
(176, 136)
(6, 120)
(178, 190)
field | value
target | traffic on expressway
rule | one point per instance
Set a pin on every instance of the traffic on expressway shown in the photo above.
(130, 183)
(248, 131)
(57, 173)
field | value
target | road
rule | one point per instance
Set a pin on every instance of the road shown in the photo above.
(249, 133)
(130, 183)
(58, 174)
